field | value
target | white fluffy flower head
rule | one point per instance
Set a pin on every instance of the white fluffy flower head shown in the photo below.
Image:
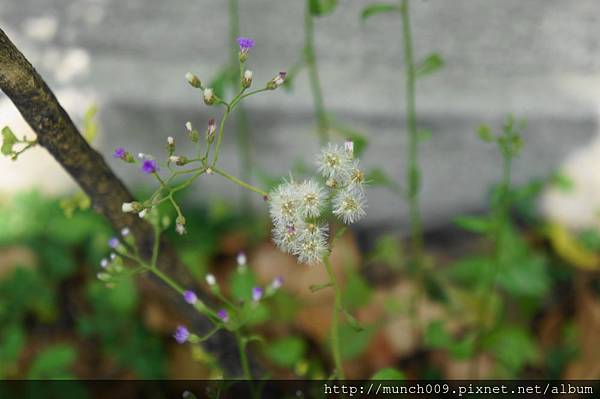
(349, 205)
(297, 209)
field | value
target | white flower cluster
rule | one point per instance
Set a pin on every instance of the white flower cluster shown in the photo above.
(296, 208)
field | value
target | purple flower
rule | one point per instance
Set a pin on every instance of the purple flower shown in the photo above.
(245, 43)
(277, 282)
(257, 293)
(113, 242)
(119, 153)
(149, 166)
(223, 315)
(181, 334)
(190, 297)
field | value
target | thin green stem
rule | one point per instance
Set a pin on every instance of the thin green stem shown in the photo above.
(240, 182)
(243, 133)
(412, 150)
(335, 335)
(313, 76)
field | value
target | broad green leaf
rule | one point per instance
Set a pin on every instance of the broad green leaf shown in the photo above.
(8, 141)
(54, 362)
(389, 374)
(354, 342)
(357, 292)
(569, 248)
(474, 224)
(375, 9)
(322, 7)
(286, 352)
(429, 65)
(514, 348)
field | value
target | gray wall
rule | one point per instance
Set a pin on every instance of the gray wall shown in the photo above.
(538, 59)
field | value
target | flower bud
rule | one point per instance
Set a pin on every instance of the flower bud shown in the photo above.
(188, 126)
(170, 140)
(209, 96)
(180, 225)
(178, 160)
(349, 147)
(193, 80)
(276, 81)
(210, 279)
(211, 130)
(247, 79)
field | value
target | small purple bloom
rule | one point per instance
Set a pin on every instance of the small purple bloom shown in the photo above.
(277, 282)
(190, 297)
(113, 242)
(149, 166)
(257, 293)
(245, 43)
(181, 334)
(119, 153)
(223, 315)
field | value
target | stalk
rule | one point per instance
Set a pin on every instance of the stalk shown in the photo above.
(335, 334)
(313, 76)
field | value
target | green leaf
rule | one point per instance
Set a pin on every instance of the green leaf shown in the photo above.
(8, 141)
(354, 342)
(562, 182)
(11, 345)
(389, 374)
(377, 177)
(514, 348)
(90, 127)
(380, 8)
(436, 335)
(318, 287)
(322, 7)
(485, 133)
(54, 362)
(429, 65)
(356, 293)
(286, 352)
(474, 224)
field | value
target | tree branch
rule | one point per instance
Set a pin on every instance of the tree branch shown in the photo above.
(56, 133)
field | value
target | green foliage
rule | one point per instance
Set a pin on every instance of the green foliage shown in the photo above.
(90, 127)
(388, 250)
(377, 177)
(54, 362)
(357, 292)
(389, 374)
(8, 141)
(321, 7)
(380, 8)
(432, 63)
(474, 224)
(513, 347)
(354, 342)
(12, 342)
(286, 352)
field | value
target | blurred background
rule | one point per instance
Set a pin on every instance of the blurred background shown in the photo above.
(118, 68)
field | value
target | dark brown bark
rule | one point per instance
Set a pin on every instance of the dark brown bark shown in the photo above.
(56, 132)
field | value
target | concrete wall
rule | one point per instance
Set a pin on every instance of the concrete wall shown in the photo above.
(538, 59)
